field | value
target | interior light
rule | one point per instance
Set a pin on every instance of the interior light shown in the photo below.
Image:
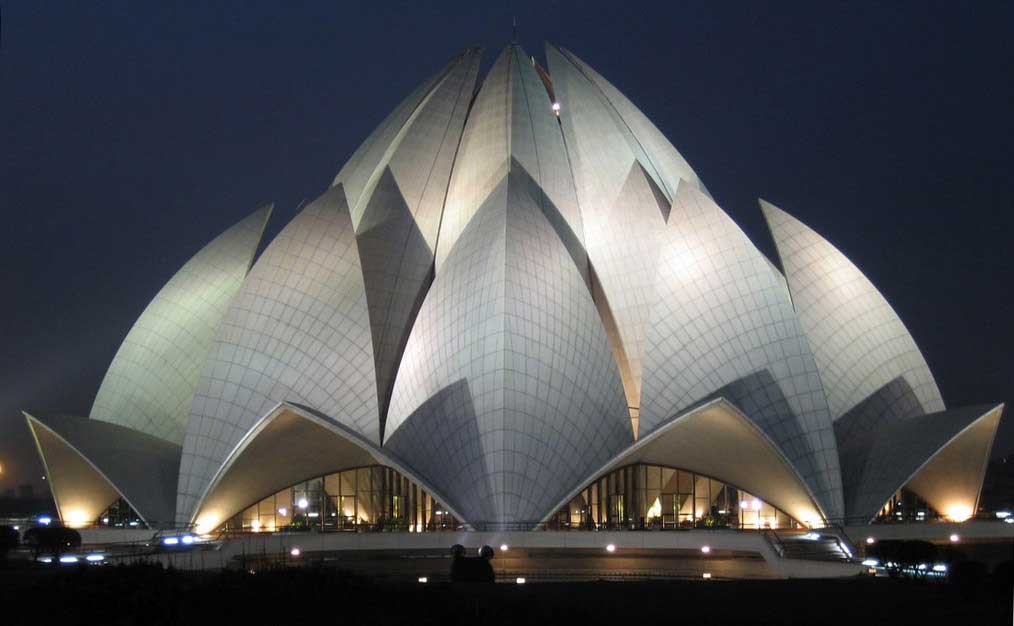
(423, 579)
(314, 514)
(611, 548)
(303, 503)
(503, 547)
(958, 513)
(283, 511)
(955, 538)
(556, 107)
(105, 520)
(295, 551)
(870, 541)
(520, 580)
(756, 505)
(707, 575)
(706, 549)
(256, 525)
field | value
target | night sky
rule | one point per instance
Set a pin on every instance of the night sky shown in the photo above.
(132, 135)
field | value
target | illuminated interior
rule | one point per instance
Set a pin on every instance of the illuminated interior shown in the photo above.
(654, 496)
(365, 498)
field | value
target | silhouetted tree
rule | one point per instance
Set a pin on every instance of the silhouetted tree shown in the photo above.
(54, 540)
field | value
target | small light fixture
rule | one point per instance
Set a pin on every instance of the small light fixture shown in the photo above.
(283, 511)
(706, 549)
(303, 503)
(707, 575)
(295, 551)
(611, 548)
(520, 580)
(504, 547)
(256, 525)
(870, 541)
(955, 538)
(423, 579)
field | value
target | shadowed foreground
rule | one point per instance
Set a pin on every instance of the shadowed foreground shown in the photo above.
(152, 595)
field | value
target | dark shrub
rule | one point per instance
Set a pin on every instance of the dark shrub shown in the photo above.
(968, 576)
(54, 540)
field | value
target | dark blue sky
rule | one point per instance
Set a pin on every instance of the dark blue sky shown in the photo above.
(133, 133)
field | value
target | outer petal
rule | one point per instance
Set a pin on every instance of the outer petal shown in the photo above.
(153, 377)
(721, 325)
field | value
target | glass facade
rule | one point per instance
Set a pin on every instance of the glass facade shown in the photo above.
(907, 506)
(656, 497)
(373, 498)
(120, 515)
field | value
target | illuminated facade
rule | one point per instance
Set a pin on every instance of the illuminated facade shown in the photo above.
(515, 306)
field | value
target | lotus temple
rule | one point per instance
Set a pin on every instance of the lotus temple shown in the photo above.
(516, 309)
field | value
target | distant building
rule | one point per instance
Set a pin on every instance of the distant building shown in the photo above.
(516, 306)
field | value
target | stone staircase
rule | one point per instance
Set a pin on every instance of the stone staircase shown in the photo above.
(822, 545)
